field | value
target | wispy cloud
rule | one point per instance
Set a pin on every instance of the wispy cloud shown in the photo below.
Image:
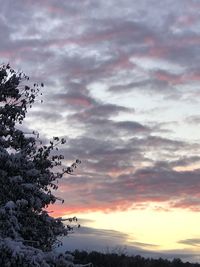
(108, 241)
(191, 242)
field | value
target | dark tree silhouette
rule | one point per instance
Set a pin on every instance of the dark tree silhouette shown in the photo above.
(121, 260)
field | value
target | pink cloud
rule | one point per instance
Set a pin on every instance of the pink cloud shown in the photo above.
(161, 187)
(175, 79)
(74, 99)
(58, 210)
(123, 62)
(78, 101)
(185, 41)
(50, 8)
(186, 20)
(158, 52)
(150, 41)
(168, 77)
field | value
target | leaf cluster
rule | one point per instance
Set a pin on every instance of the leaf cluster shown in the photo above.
(27, 169)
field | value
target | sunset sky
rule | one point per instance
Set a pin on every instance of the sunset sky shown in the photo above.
(122, 85)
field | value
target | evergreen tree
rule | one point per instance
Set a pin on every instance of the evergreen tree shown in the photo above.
(27, 232)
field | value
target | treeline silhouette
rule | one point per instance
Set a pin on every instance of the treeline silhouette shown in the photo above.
(121, 260)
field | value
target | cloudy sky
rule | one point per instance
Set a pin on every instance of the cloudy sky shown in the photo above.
(122, 85)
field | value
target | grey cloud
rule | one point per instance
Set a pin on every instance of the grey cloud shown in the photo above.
(4, 29)
(97, 126)
(71, 44)
(74, 100)
(108, 241)
(74, 44)
(99, 112)
(130, 86)
(132, 126)
(154, 184)
(144, 245)
(115, 31)
(46, 116)
(104, 110)
(193, 119)
(147, 86)
(118, 155)
(86, 238)
(97, 149)
(185, 161)
(155, 141)
(104, 233)
(191, 242)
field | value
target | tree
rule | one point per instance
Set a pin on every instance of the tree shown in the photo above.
(27, 232)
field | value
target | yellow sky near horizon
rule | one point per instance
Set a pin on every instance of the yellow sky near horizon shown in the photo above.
(162, 229)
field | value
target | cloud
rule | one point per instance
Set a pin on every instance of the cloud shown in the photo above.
(157, 184)
(100, 46)
(74, 100)
(144, 55)
(46, 116)
(193, 119)
(120, 84)
(86, 238)
(101, 111)
(194, 242)
(109, 241)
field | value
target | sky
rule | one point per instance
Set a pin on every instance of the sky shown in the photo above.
(122, 85)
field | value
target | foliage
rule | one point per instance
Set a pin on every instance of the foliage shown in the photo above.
(118, 260)
(27, 176)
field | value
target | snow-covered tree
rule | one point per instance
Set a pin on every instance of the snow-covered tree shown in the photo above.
(28, 233)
